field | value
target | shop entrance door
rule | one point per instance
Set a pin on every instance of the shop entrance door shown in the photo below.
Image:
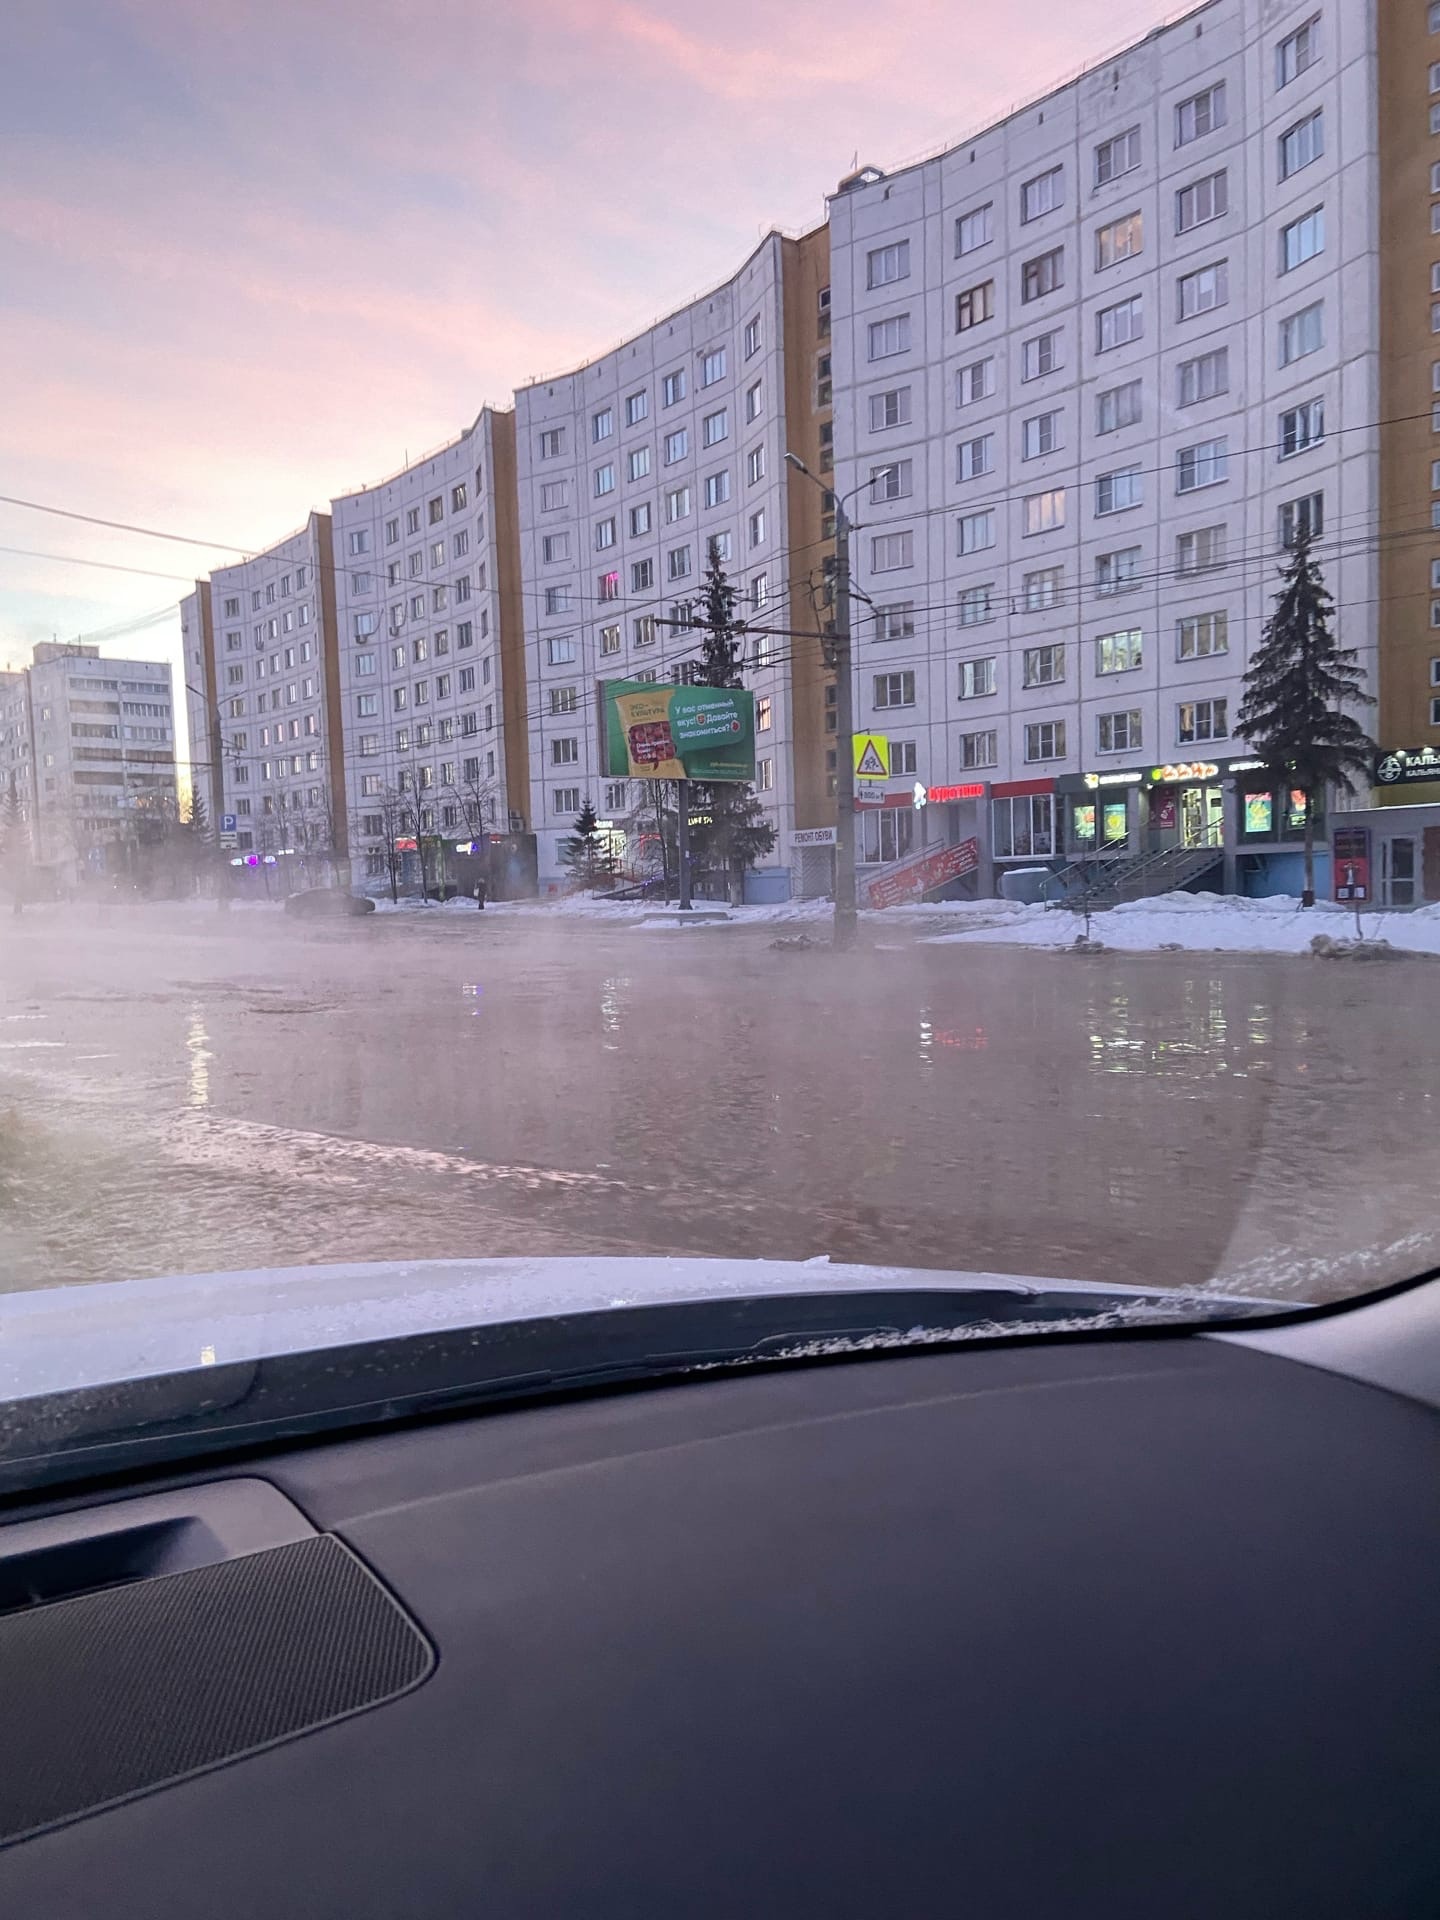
(1397, 873)
(1202, 817)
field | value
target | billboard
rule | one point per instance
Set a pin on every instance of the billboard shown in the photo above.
(649, 731)
(912, 879)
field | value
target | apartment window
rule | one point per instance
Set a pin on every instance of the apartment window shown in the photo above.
(974, 229)
(415, 564)
(1118, 407)
(1116, 156)
(974, 607)
(979, 749)
(232, 609)
(637, 408)
(604, 480)
(610, 639)
(1433, 16)
(552, 444)
(364, 664)
(1044, 512)
(895, 622)
(890, 409)
(1297, 52)
(1199, 635)
(235, 676)
(359, 543)
(1302, 239)
(1042, 194)
(1042, 275)
(1117, 326)
(973, 306)
(677, 562)
(638, 462)
(1200, 550)
(640, 518)
(1198, 720)
(893, 481)
(557, 599)
(1205, 464)
(976, 531)
(436, 509)
(752, 336)
(974, 457)
(1042, 589)
(891, 550)
(560, 650)
(642, 575)
(602, 424)
(1303, 516)
(1118, 241)
(1302, 427)
(977, 678)
(417, 606)
(1039, 435)
(1202, 378)
(459, 544)
(759, 592)
(715, 427)
(1045, 740)
(712, 366)
(1044, 666)
(717, 488)
(677, 504)
(365, 624)
(566, 799)
(604, 534)
(1116, 491)
(889, 336)
(972, 383)
(764, 774)
(1118, 732)
(722, 545)
(399, 699)
(755, 465)
(894, 690)
(886, 264)
(1201, 201)
(1202, 113)
(608, 586)
(564, 752)
(412, 517)
(677, 445)
(1119, 652)
(1302, 143)
(753, 398)
(465, 634)
(1117, 572)
(1039, 355)
(555, 546)
(757, 528)
(1204, 289)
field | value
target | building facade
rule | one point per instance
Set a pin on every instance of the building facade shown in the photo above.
(266, 720)
(87, 762)
(1093, 369)
(628, 469)
(430, 657)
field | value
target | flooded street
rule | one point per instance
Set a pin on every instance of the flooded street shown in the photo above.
(184, 1092)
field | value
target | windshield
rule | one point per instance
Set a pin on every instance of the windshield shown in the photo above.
(910, 760)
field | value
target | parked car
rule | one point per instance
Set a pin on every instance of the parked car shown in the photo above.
(328, 903)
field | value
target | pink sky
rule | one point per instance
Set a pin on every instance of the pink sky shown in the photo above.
(254, 254)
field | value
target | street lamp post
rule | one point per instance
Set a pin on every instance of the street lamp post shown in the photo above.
(217, 792)
(845, 911)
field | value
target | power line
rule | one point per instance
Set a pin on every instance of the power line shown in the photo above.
(124, 526)
(110, 566)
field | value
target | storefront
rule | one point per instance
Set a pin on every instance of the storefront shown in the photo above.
(902, 824)
(1396, 850)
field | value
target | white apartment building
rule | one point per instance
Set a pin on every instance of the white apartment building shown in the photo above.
(1099, 362)
(262, 691)
(627, 469)
(87, 751)
(426, 617)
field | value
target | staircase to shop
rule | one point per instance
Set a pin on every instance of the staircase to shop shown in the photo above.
(1089, 885)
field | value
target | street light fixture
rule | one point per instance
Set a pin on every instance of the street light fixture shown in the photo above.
(845, 916)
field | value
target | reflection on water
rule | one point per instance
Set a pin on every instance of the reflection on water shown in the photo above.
(1141, 1118)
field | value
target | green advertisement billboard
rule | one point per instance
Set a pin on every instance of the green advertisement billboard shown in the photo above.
(655, 732)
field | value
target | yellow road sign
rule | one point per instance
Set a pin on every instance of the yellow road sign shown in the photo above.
(872, 756)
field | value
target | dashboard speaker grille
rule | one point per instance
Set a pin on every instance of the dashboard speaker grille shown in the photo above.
(117, 1692)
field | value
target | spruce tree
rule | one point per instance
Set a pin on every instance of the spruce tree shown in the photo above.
(738, 835)
(587, 859)
(1296, 690)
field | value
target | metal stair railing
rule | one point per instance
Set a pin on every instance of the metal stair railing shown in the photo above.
(1140, 877)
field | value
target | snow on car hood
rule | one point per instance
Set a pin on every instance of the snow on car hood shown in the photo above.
(95, 1335)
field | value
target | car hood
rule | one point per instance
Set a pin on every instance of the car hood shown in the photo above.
(96, 1335)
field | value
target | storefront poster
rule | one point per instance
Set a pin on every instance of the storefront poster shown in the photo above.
(1259, 813)
(1162, 809)
(1116, 821)
(655, 732)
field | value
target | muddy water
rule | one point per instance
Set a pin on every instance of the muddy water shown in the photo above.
(181, 1092)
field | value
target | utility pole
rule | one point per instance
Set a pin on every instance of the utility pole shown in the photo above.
(682, 840)
(217, 795)
(845, 915)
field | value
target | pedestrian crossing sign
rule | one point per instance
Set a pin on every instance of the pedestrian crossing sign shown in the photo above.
(872, 756)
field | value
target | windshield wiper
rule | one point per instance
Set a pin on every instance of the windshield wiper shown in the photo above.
(92, 1430)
